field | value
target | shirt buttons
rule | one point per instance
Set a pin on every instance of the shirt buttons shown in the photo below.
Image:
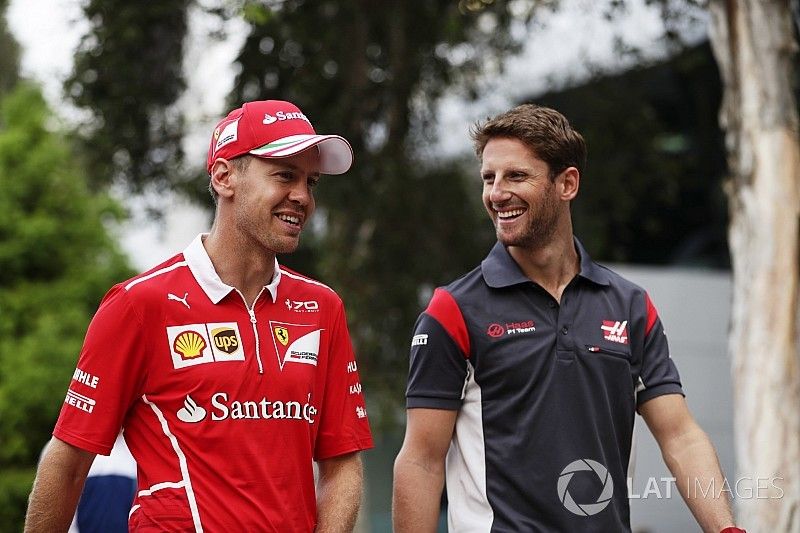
(551, 304)
(564, 330)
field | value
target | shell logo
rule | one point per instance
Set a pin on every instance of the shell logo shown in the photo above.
(189, 344)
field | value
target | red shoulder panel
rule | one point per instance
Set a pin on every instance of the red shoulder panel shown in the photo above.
(445, 310)
(652, 314)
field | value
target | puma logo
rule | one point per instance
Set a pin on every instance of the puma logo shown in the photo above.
(171, 296)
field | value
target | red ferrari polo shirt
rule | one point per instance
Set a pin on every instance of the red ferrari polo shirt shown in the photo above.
(223, 406)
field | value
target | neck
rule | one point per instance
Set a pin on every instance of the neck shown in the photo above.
(552, 265)
(238, 263)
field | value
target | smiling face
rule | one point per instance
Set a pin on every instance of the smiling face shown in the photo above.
(273, 199)
(518, 194)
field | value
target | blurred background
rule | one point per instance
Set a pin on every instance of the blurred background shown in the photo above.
(107, 106)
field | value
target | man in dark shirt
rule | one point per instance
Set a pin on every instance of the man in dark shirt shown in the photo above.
(527, 372)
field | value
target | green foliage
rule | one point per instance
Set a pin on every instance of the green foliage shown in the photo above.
(9, 54)
(15, 485)
(394, 227)
(128, 73)
(56, 261)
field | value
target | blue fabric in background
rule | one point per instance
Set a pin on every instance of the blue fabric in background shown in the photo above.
(105, 503)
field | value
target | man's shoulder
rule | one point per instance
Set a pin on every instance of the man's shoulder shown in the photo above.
(295, 282)
(138, 293)
(157, 276)
(466, 286)
(155, 280)
(618, 282)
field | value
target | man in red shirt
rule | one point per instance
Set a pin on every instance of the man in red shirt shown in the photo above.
(229, 373)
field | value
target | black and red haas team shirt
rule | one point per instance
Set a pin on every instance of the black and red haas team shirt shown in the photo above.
(223, 406)
(546, 394)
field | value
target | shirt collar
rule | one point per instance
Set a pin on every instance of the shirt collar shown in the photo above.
(589, 269)
(203, 271)
(500, 270)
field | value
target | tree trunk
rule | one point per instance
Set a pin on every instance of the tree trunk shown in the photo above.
(755, 48)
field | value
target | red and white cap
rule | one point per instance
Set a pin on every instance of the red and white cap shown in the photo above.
(274, 128)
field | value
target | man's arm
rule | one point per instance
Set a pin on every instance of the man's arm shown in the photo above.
(339, 493)
(419, 470)
(691, 458)
(57, 488)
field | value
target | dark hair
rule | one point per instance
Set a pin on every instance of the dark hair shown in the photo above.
(546, 131)
(240, 164)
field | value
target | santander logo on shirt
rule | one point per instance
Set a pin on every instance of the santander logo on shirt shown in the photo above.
(224, 408)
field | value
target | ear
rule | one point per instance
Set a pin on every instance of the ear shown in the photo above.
(568, 183)
(221, 177)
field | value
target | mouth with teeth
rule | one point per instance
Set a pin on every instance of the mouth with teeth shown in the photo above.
(292, 220)
(510, 214)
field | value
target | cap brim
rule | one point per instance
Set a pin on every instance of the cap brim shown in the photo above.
(336, 155)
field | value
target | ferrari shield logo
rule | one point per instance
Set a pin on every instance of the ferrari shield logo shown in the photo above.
(282, 334)
(296, 343)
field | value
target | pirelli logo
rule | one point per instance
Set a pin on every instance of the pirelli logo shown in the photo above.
(420, 339)
(197, 344)
(79, 401)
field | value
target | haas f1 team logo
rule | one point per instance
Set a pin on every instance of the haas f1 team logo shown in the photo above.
(615, 331)
(295, 343)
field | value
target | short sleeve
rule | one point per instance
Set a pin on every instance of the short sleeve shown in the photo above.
(344, 426)
(438, 367)
(108, 378)
(659, 375)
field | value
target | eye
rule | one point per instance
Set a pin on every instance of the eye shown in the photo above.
(313, 181)
(487, 178)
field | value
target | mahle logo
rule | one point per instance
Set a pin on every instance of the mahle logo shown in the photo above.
(585, 509)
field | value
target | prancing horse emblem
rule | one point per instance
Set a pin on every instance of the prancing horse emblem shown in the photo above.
(282, 334)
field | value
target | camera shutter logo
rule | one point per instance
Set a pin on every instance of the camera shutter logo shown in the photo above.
(585, 509)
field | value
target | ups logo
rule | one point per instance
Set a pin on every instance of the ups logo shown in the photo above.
(225, 339)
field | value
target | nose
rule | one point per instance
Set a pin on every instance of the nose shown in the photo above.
(498, 192)
(300, 193)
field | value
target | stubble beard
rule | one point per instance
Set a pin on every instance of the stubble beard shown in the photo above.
(260, 234)
(540, 230)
